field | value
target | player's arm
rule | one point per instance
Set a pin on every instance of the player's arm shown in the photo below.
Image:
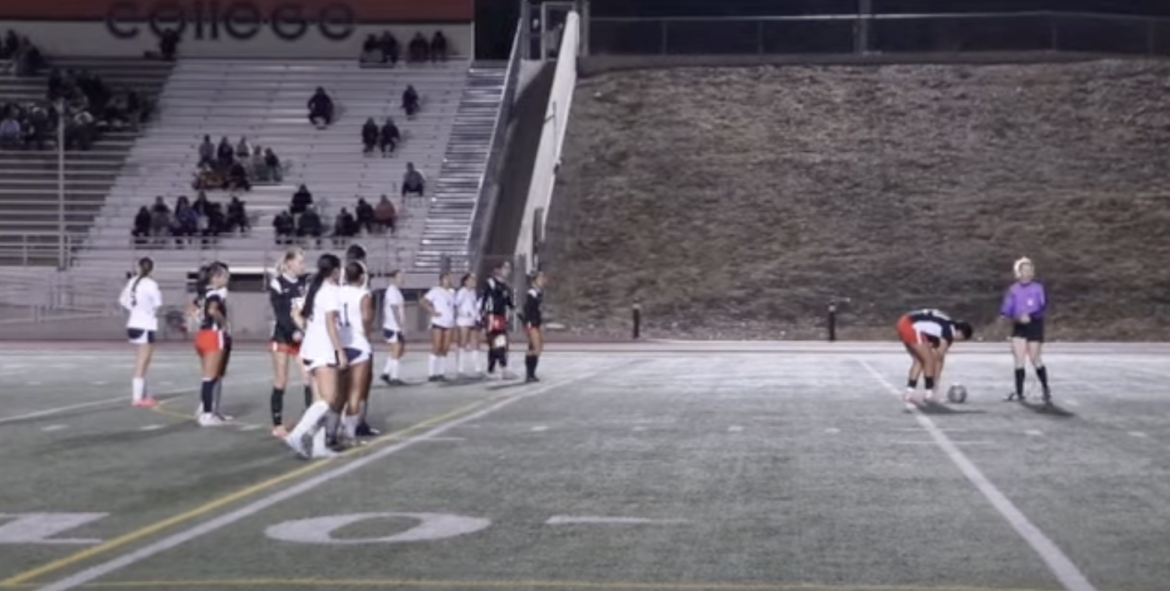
(215, 310)
(368, 314)
(425, 303)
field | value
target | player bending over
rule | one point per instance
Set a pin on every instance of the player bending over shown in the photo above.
(927, 336)
(1024, 305)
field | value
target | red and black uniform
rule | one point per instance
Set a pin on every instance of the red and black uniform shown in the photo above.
(497, 302)
(284, 294)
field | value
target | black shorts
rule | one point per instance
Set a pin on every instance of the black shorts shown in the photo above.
(283, 337)
(1033, 332)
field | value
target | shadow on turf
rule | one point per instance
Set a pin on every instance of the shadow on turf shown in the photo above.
(938, 409)
(1052, 410)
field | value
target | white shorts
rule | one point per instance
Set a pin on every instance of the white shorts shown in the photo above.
(356, 356)
(140, 336)
(466, 322)
(326, 360)
(393, 336)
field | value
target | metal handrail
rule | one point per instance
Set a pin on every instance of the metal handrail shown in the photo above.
(886, 16)
(489, 182)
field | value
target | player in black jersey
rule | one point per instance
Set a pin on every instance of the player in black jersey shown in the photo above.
(533, 317)
(497, 302)
(213, 342)
(286, 291)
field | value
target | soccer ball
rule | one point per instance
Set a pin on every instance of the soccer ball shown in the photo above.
(957, 394)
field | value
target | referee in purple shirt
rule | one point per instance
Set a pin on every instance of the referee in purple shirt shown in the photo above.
(1025, 305)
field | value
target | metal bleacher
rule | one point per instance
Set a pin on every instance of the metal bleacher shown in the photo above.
(265, 100)
(29, 225)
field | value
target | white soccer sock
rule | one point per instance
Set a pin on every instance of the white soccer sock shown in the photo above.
(442, 365)
(388, 366)
(350, 424)
(310, 419)
(393, 364)
(458, 360)
(139, 389)
(476, 360)
(218, 396)
(318, 441)
(434, 366)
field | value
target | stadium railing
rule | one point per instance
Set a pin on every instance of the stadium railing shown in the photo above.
(1052, 31)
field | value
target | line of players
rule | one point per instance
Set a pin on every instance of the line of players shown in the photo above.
(928, 335)
(324, 320)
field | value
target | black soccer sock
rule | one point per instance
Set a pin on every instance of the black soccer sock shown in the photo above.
(308, 396)
(912, 383)
(928, 382)
(535, 362)
(1042, 375)
(1020, 382)
(530, 365)
(277, 405)
(208, 395)
(503, 357)
(491, 360)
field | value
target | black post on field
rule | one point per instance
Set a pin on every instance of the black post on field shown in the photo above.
(637, 311)
(832, 320)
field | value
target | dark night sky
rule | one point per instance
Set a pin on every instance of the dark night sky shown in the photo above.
(496, 18)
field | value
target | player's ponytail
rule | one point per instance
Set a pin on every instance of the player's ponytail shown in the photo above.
(327, 265)
(145, 266)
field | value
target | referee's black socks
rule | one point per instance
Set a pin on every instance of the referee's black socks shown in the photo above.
(1042, 375)
(530, 362)
(1020, 382)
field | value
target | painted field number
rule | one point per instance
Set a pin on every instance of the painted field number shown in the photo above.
(39, 528)
(430, 527)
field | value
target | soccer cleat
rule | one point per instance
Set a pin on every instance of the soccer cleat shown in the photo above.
(531, 379)
(280, 432)
(929, 396)
(1047, 396)
(387, 380)
(148, 403)
(364, 430)
(297, 443)
(324, 453)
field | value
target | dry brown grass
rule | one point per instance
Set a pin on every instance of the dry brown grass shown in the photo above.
(734, 202)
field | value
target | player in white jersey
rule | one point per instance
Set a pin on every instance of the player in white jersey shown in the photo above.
(469, 323)
(142, 298)
(393, 321)
(357, 320)
(324, 356)
(439, 304)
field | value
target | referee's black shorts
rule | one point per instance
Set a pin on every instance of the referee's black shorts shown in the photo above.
(1033, 332)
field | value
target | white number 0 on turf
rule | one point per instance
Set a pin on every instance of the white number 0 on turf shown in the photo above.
(431, 526)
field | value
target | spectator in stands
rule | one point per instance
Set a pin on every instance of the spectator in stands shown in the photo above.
(185, 223)
(419, 48)
(56, 84)
(413, 181)
(212, 224)
(168, 44)
(11, 43)
(80, 131)
(28, 60)
(385, 215)
(320, 108)
(201, 204)
(206, 152)
(372, 51)
(309, 225)
(273, 166)
(369, 135)
(142, 223)
(11, 135)
(365, 215)
(160, 219)
(237, 177)
(243, 149)
(237, 216)
(389, 137)
(285, 227)
(344, 227)
(439, 47)
(410, 101)
(225, 154)
(389, 45)
(301, 201)
(209, 179)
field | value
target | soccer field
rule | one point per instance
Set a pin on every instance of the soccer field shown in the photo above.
(658, 466)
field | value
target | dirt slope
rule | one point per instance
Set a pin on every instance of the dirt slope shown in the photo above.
(735, 202)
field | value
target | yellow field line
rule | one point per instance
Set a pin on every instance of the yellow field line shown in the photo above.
(538, 584)
(223, 501)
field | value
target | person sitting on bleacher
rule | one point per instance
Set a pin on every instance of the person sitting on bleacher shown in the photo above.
(419, 48)
(272, 166)
(301, 201)
(28, 60)
(206, 153)
(389, 137)
(209, 179)
(385, 215)
(365, 215)
(185, 223)
(243, 149)
(390, 51)
(320, 108)
(371, 51)
(439, 47)
(237, 216)
(10, 132)
(309, 225)
(225, 154)
(237, 177)
(410, 101)
(8, 48)
(413, 181)
(369, 135)
(285, 227)
(202, 204)
(141, 231)
(344, 227)
(80, 131)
